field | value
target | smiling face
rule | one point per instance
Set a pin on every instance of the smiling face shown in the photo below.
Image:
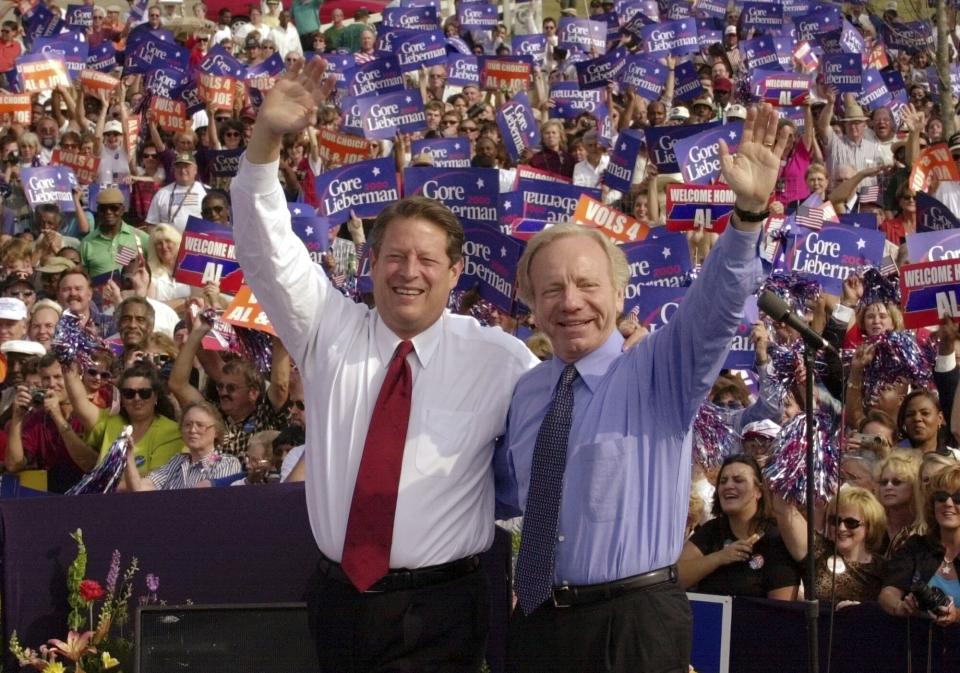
(738, 491)
(412, 275)
(575, 301)
(849, 541)
(135, 326)
(137, 409)
(42, 324)
(75, 293)
(199, 431)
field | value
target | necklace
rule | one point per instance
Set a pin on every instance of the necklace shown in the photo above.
(946, 567)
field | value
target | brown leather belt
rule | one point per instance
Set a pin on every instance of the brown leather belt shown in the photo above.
(405, 578)
(566, 596)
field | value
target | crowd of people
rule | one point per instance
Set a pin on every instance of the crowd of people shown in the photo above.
(888, 517)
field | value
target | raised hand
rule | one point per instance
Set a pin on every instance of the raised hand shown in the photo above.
(752, 173)
(292, 104)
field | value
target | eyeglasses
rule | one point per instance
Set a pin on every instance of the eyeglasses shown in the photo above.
(891, 482)
(203, 39)
(95, 373)
(229, 388)
(942, 496)
(298, 404)
(196, 425)
(231, 134)
(450, 122)
(149, 155)
(210, 210)
(110, 207)
(131, 393)
(848, 521)
(68, 146)
(469, 129)
(908, 197)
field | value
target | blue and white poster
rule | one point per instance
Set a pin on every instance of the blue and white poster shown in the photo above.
(472, 194)
(699, 155)
(422, 48)
(597, 73)
(446, 152)
(833, 253)
(49, 184)
(381, 75)
(366, 187)
(490, 266)
(518, 127)
(411, 18)
(463, 70)
(671, 37)
(661, 140)
(385, 115)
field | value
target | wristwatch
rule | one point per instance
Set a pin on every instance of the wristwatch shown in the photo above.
(747, 216)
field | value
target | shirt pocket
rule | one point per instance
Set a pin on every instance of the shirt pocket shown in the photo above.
(445, 435)
(602, 468)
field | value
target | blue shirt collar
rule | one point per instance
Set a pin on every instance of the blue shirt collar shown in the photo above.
(593, 366)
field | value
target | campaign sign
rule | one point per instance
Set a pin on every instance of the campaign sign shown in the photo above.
(848, 39)
(85, 166)
(709, 33)
(457, 45)
(687, 79)
(477, 16)
(844, 72)
(490, 265)
(796, 8)
(570, 101)
(18, 106)
(659, 262)
(137, 9)
(759, 52)
(742, 353)
(102, 58)
(671, 37)
(875, 92)
(510, 73)
(931, 246)
(446, 152)
(634, 25)
(699, 155)
(155, 54)
(72, 47)
(583, 34)
(49, 184)
(678, 9)
(910, 36)
(623, 161)
(219, 62)
(79, 16)
(646, 76)
(385, 115)
(534, 46)
(166, 82)
(814, 24)
(40, 22)
(655, 305)
(171, 115)
(411, 18)
(310, 228)
(207, 256)
(216, 91)
(935, 160)
(833, 253)
(661, 140)
(517, 125)
(389, 38)
(932, 215)
(762, 16)
(929, 292)
(142, 33)
(552, 201)
(780, 88)
(366, 187)
(463, 70)
(612, 19)
(92, 82)
(223, 163)
(422, 48)
(472, 194)
(615, 225)
(337, 65)
(530, 173)
(716, 9)
(706, 207)
(381, 75)
(245, 311)
(785, 47)
(598, 72)
(39, 72)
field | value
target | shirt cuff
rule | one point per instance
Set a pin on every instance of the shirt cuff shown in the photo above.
(945, 363)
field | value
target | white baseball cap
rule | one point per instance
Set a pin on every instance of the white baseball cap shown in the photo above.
(113, 126)
(23, 347)
(736, 111)
(12, 309)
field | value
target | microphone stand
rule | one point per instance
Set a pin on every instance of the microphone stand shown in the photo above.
(811, 604)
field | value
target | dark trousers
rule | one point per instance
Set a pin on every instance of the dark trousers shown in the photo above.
(441, 628)
(646, 631)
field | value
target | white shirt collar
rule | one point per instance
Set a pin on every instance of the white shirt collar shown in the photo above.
(424, 344)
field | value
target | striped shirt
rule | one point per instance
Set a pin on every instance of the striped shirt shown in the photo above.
(841, 151)
(181, 472)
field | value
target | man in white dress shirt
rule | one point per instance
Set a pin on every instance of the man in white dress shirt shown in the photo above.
(425, 607)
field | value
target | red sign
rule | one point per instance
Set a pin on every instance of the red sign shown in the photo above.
(18, 106)
(935, 160)
(339, 149)
(171, 115)
(929, 292)
(706, 207)
(85, 166)
(525, 172)
(217, 90)
(505, 74)
(94, 81)
(43, 75)
(615, 225)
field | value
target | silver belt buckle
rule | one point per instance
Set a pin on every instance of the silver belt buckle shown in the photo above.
(559, 590)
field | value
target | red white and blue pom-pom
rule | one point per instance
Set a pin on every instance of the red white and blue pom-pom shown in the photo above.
(105, 476)
(793, 288)
(877, 288)
(72, 342)
(896, 357)
(257, 347)
(786, 472)
(713, 436)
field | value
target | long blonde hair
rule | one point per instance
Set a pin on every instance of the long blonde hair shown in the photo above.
(161, 232)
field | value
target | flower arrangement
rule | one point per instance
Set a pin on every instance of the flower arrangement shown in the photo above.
(90, 647)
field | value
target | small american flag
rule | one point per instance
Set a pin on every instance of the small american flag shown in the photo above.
(125, 255)
(810, 216)
(870, 194)
(829, 212)
(888, 266)
(635, 312)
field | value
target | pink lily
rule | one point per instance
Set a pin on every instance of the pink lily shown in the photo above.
(77, 645)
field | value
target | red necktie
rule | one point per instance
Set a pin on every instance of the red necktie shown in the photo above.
(366, 548)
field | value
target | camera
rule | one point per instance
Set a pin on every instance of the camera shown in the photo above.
(37, 396)
(929, 599)
(13, 159)
(871, 442)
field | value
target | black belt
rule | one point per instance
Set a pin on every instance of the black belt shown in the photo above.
(405, 578)
(564, 597)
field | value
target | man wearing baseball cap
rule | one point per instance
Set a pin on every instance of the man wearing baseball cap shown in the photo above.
(176, 202)
(98, 250)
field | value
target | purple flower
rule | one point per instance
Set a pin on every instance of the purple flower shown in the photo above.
(114, 572)
(153, 583)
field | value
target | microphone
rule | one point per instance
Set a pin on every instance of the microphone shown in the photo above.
(775, 307)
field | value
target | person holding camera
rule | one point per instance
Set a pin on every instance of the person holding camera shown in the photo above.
(44, 432)
(924, 575)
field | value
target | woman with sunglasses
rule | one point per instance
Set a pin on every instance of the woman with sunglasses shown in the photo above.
(202, 427)
(143, 404)
(896, 481)
(147, 176)
(905, 221)
(740, 552)
(931, 559)
(97, 377)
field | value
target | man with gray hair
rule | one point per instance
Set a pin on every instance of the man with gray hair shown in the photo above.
(589, 172)
(598, 447)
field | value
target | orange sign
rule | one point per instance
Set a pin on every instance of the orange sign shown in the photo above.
(935, 160)
(85, 166)
(244, 311)
(171, 115)
(217, 90)
(17, 105)
(133, 132)
(616, 225)
(339, 149)
(94, 81)
(43, 75)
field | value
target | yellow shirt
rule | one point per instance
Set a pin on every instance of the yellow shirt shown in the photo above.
(161, 442)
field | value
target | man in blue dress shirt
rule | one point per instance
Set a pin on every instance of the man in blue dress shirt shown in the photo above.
(598, 451)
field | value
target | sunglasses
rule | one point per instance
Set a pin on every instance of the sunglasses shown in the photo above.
(848, 521)
(110, 207)
(231, 134)
(298, 404)
(468, 129)
(229, 388)
(908, 197)
(450, 122)
(149, 155)
(943, 496)
(131, 393)
(210, 210)
(95, 373)
(891, 482)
